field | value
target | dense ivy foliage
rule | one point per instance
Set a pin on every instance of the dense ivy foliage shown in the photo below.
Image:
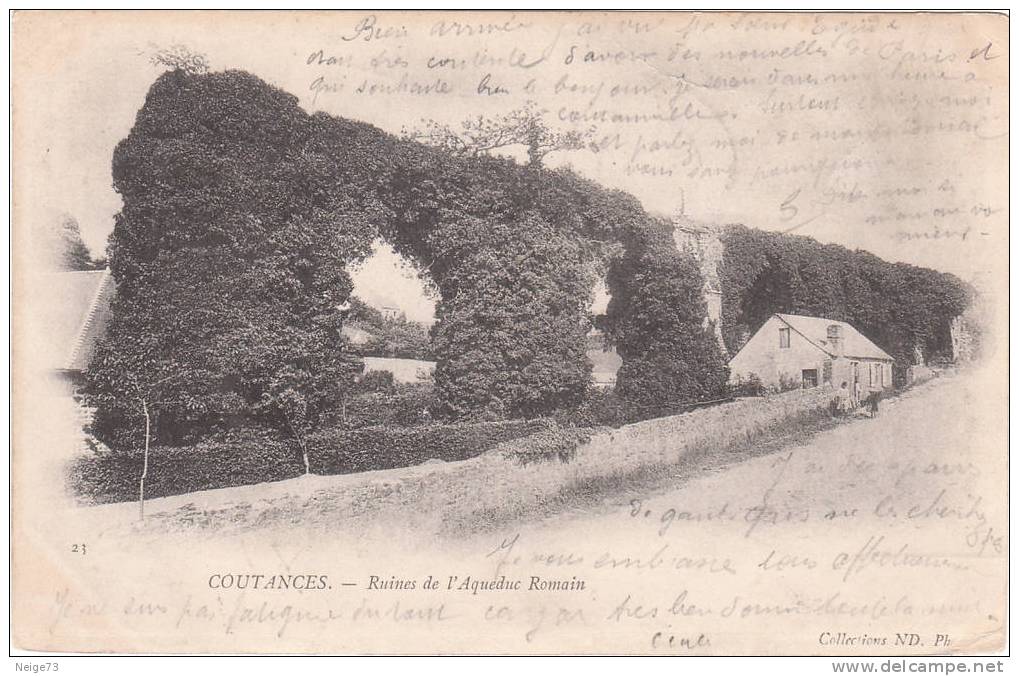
(512, 322)
(242, 214)
(656, 319)
(900, 307)
(513, 290)
(514, 253)
(229, 256)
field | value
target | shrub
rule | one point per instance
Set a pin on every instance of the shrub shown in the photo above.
(600, 408)
(751, 386)
(787, 383)
(555, 442)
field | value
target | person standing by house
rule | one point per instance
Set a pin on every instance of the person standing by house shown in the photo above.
(841, 403)
(873, 401)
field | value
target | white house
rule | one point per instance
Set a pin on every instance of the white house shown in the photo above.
(76, 310)
(390, 313)
(76, 318)
(795, 351)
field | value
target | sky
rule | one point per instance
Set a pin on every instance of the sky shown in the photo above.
(385, 280)
(723, 155)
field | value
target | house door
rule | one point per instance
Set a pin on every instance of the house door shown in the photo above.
(809, 378)
(854, 375)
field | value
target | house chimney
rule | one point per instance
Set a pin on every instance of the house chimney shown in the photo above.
(835, 339)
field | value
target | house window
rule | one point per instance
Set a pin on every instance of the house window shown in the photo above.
(783, 337)
(809, 378)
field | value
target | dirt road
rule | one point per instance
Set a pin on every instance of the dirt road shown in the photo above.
(887, 534)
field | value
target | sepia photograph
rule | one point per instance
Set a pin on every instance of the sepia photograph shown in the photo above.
(510, 333)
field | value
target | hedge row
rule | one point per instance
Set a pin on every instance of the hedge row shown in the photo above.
(252, 458)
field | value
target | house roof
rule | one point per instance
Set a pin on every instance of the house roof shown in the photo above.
(80, 315)
(815, 329)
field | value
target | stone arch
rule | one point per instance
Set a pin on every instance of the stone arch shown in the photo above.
(261, 208)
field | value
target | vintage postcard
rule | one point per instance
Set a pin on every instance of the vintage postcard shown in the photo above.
(642, 333)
